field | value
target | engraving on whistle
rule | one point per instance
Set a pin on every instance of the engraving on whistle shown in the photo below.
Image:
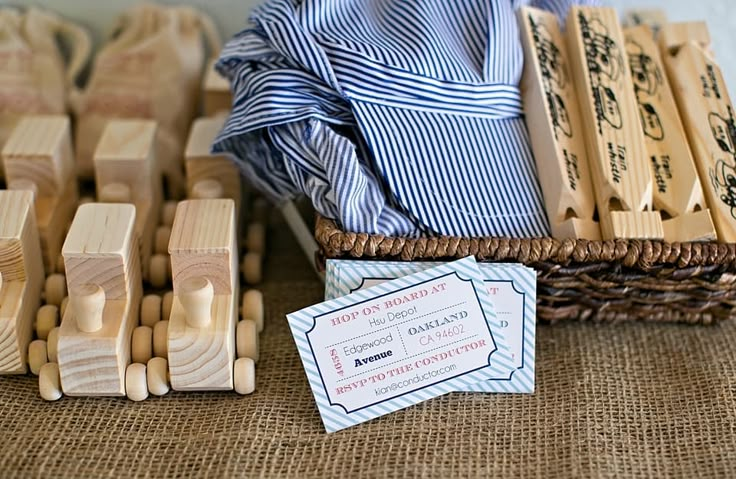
(647, 79)
(554, 77)
(723, 174)
(605, 63)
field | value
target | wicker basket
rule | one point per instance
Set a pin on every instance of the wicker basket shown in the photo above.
(580, 279)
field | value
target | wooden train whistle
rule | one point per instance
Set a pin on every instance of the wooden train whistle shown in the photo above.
(708, 117)
(677, 191)
(103, 273)
(615, 143)
(21, 278)
(38, 156)
(555, 128)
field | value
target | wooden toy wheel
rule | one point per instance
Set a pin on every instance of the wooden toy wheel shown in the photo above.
(168, 212)
(252, 307)
(157, 372)
(166, 303)
(252, 268)
(60, 265)
(136, 382)
(142, 344)
(161, 241)
(55, 289)
(150, 310)
(47, 318)
(255, 238)
(244, 375)
(49, 382)
(62, 307)
(260, 210)
(37, 355)
(246, 339)
(161, 339)
(52, 345)
(159, 271)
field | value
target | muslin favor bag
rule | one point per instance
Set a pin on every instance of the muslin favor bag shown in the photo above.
(34, 77)
(151, 68)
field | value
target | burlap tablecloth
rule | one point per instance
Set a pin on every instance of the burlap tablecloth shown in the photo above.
(612, 401)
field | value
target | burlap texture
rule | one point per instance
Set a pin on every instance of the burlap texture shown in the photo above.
(613, 400)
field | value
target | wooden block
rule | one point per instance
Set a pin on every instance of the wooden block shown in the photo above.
(654, 18)
(677, 191)
(555, 128)
(38, 155)
(99, 231)
(54, 216)
(124, 148)
(100, 250)
(201, 244)
(708, 117)
(217, 95)
(201, 165)
(39, 149)
(125, 160)
(622, 179)
(21, 278)
(204, 264)
(8, 123)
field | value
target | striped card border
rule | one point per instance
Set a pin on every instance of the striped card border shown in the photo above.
(335, 417)
(345, 276)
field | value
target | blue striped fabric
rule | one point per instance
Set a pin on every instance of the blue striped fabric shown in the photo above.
(398, 117)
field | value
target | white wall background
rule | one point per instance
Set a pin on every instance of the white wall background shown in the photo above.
(230, 16)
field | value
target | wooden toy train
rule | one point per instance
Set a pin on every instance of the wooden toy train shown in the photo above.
(106, 338)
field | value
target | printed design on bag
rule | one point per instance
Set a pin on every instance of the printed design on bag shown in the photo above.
(605, 64)
(723, 175)
(125, 85)
(16, 63)
(554, 77)
(18, 92)
(647, 78)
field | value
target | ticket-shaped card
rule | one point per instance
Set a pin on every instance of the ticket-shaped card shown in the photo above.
(512, 288)
(369, 353)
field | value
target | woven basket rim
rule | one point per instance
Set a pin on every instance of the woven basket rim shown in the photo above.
(640, 254)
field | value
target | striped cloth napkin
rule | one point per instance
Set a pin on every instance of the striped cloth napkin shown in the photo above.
(396, 117)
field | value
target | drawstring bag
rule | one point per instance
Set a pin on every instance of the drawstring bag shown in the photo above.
(151, 68)
(33, 75)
